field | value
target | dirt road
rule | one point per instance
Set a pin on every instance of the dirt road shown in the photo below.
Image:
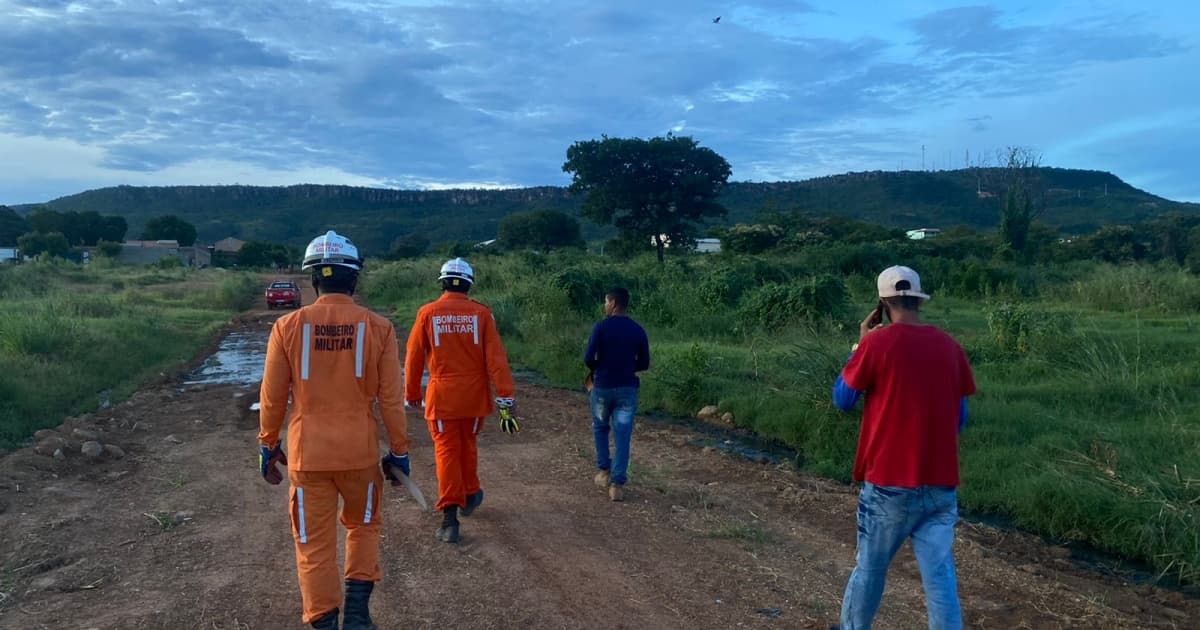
(182, 533)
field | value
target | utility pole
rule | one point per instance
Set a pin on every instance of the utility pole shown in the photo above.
(922, 157)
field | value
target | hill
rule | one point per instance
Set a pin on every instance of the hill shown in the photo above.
(1075, 201)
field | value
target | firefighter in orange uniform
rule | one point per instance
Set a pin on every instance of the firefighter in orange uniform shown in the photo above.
(336, 360)
(457, 337)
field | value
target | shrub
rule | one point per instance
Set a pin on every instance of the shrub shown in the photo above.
(585, 286)
(751, 239)
(725, 285)
(774, 306)
(684, 377)
(237, 293)
(1012, 328)
(1130, 288)
(108, 250)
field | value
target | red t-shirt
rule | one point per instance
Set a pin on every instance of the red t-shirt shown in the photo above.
(914, 378)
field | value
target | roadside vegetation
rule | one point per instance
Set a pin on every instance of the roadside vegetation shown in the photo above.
(75, 338)
(1085, 426)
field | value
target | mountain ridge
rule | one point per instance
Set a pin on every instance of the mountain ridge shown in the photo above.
(1075, 201)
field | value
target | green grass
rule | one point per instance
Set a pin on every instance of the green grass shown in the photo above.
(1086, 425)
(67, 334)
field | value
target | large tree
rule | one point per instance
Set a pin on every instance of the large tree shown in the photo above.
(659, 189)
(170, 228)
(542, 230)
(12, 226)
(264, 255)
(113, 229)
(47, 221)
(53, 245)
(1023, 197)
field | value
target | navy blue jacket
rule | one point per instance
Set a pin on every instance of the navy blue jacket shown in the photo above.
(617, 350)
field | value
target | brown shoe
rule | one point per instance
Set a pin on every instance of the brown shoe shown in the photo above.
(601, 478)
(616, 493)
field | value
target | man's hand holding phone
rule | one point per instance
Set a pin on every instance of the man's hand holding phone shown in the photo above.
(874, 320)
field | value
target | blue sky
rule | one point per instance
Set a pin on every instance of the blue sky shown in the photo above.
(428, 94)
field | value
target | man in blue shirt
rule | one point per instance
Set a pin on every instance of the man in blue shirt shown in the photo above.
(617, 350)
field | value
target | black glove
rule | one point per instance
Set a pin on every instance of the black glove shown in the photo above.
(268, 457)
(399, 461)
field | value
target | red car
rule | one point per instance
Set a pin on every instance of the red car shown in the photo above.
(283, 293)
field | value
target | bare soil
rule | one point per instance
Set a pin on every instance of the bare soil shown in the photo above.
(182, 533)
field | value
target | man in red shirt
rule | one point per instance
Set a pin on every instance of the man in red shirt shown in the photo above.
(916, 379)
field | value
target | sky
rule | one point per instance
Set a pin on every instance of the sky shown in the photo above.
(436, 94)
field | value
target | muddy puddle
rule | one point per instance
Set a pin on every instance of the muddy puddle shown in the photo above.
(238, 361)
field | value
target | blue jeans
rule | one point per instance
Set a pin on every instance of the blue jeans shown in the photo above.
(886, 517)
(613, 409)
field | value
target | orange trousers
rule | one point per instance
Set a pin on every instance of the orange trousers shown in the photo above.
(314, 508)
(457, 455)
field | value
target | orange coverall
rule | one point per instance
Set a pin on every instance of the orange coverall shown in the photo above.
(459, 339)
(336, 359)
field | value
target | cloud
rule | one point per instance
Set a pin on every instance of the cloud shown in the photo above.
(976, 39)
(38, 166)
(430, 93)
(979, 123)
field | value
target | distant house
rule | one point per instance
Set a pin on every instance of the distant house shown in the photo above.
(923, 233)
(151, 252)
(225, 251)
(485, 244)
(229, 245)
(10, 255)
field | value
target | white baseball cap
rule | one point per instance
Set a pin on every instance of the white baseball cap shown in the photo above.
(900, 281)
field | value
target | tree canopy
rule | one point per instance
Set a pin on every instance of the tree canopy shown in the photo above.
(409, 245)
(542, 230)
(12, 226)
(263, 254)
(659, 189)
(53, 244)
(170, 228)
(79, 228)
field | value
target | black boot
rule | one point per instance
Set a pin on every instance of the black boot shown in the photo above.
(473, 501)
(448, 532)
(358, 606)
(328, 621)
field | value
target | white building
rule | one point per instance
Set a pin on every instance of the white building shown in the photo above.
(10, 255)
(703, 245)
(923, 233)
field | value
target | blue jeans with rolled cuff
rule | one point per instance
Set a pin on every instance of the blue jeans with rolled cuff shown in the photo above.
(612, 411)
(888, 516)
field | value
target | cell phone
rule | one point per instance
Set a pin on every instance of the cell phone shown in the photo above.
(880, 314)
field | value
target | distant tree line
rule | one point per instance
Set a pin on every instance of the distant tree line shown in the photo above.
(51, 233)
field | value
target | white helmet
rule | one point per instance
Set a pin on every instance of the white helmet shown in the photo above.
(458, 268)
(332, 248)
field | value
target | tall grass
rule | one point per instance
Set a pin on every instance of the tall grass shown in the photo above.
(1086, 426)
(69, 335)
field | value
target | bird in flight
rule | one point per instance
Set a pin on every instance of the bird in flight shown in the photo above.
(717, 20)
